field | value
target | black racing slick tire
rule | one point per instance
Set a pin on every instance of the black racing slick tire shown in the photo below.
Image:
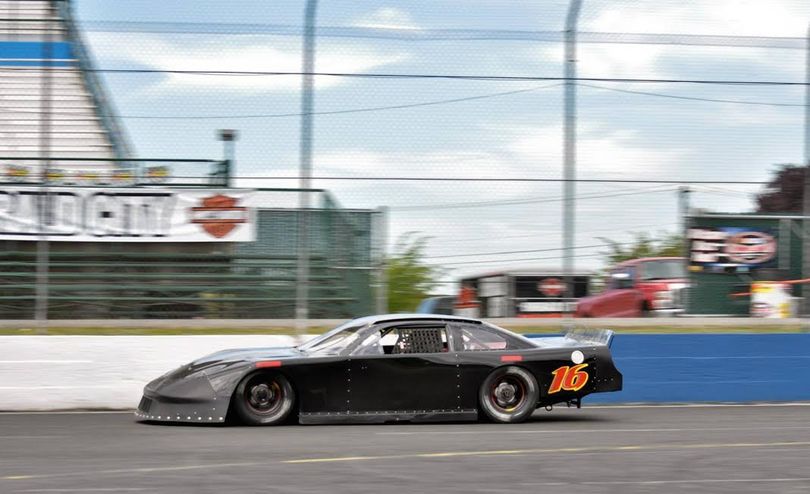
(509, 395)
(264, 399)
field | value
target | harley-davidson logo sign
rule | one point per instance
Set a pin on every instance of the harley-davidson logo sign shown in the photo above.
(551, 287)
(219, 215)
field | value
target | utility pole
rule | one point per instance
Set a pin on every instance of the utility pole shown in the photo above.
(569, 151)
(683, 209)
(307, 106)
(683, 220)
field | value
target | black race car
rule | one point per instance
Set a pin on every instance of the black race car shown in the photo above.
(386, 369)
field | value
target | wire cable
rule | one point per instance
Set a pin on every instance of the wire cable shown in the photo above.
(471, 77)
(553, 249)
(352, 110)
(691, 98)
(438, 34)
(515, 202)
(501, 179)
(540, 234)
(499, 261)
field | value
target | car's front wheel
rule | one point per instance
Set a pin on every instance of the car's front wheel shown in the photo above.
(264, 399)
(509, 394)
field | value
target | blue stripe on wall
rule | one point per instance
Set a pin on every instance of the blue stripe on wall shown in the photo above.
(31, 53)
(711, 368)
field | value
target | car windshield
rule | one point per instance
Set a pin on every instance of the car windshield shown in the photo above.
(659, 270)
(335, 341)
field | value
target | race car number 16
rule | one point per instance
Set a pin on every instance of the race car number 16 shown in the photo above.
(567, 378)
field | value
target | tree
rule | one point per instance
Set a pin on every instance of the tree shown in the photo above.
(784, 192)
(644, 245)
(409, 278)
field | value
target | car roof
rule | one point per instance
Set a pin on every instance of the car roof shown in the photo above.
(411, 317)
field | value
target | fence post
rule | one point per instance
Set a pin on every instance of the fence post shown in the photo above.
(45, 209)
(382, 261)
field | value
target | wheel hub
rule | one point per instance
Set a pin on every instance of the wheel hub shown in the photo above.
(261, 395)
(505, 394)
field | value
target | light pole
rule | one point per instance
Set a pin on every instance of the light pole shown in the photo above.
(228, 138)
(570, 150)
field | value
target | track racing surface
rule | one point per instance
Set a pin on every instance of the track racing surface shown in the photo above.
(763, 448)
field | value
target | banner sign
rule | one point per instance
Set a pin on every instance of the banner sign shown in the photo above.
(151, 175)
(71, 214)
(715, 249)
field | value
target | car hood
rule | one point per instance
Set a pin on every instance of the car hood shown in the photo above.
(247, 354)
(221, 361)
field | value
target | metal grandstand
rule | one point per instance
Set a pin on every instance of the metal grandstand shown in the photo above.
(55, 115)
(48, 70)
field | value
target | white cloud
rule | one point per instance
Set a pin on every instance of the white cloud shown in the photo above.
(600, 150)
(523, 152)
(387, 18)
(777, 18)
(612, 60)
(241, 54)
(724, 17)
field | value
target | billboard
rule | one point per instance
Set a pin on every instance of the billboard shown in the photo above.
(731, 249)
(72, 214)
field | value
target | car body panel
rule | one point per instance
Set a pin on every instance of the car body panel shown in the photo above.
(355, 387)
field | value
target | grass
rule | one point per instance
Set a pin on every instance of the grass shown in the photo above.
(651, 329)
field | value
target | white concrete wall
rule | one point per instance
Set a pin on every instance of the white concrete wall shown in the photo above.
(99, 372)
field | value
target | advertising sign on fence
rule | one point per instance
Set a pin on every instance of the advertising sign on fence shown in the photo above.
(72, 214)
(717, 249)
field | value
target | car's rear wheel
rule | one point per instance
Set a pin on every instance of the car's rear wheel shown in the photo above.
(509, 395)
(264, 399)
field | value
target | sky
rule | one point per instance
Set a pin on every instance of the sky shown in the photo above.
(501, 129)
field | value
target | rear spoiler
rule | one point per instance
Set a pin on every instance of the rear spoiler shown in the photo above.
(597, 337)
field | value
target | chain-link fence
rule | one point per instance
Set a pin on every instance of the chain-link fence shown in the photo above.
(453, 117)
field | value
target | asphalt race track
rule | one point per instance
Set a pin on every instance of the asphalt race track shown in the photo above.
(612, 449)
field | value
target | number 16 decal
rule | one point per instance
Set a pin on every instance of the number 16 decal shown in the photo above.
(569, 378)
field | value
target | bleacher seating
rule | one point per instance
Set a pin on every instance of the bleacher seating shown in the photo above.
(63, 115)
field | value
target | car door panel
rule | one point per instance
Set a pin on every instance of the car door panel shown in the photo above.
(404, 382)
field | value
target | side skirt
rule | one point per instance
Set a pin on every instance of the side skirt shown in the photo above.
(388, 416)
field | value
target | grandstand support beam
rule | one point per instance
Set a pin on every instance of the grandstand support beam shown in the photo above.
(569, 151)
(305, 173)
(107, 114)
